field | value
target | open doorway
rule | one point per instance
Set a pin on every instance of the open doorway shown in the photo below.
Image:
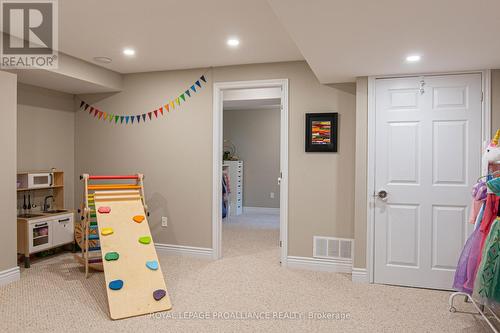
(250, 170)
(250, 167)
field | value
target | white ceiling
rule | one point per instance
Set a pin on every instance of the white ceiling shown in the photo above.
(173, 34)
(252, 99)
(342, 39)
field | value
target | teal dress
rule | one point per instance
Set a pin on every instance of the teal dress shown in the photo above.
(487, 286)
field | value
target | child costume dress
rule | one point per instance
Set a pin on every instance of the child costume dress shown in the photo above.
(487, 284)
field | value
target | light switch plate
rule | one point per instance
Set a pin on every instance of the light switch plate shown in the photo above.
(271, 195)
(164, 221)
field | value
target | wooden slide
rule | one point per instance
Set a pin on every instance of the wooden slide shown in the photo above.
(134, 279)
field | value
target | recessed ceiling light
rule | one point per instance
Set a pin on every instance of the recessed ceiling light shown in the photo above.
(129, 52)
(413, 58)
(103, 60)
(233, 42)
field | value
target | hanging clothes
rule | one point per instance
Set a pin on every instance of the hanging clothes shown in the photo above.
(474, 260)
(487, 285)
(459, 282)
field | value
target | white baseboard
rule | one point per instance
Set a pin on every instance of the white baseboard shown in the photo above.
(316, 264)
(261, 210)
(9, 275)
(199, 252)
(360, 275)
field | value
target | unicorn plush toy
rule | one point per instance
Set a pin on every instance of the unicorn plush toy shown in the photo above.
(491, 153)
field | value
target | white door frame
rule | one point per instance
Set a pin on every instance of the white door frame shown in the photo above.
(219, 87)
(370, 218)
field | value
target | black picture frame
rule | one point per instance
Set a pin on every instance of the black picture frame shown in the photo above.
(324, 141)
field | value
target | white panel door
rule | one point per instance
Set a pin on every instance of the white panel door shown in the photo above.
(427, 157)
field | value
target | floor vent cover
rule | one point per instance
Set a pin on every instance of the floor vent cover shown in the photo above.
(332, 248)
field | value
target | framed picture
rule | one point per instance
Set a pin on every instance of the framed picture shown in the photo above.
(321, 132)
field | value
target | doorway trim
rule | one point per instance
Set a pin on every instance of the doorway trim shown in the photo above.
(370, 218)
(217, 144)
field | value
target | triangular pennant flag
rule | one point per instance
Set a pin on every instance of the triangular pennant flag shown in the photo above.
(105, 116)
(178, 101)
(193, 88)
(95, 112)
(172, 105)
(86, 107)
(149, 115)
(167, 107)
(81, 104)
(156, 113)
(132, 119)
(187, 92)
(121, 119)
(198, 83)
(100, 114)
(138, 118)
(161, 110)
(91, 110)
(111, 117)
(126, 119)
(183, 97)
(116, 119)
(143, 117)
(203, 78)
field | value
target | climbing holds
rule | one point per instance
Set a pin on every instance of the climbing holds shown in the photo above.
(138, 218)
(145, 240)
(153, 265)
(104, 210)
(116, 284)
(106, 231)
(111, 256)
(159, 294)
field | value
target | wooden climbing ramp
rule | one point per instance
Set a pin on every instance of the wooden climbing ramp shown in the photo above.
(134, 280)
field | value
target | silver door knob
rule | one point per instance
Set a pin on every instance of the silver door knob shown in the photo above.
(382, 194)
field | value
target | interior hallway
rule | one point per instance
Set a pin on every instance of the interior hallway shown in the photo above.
(53, 295)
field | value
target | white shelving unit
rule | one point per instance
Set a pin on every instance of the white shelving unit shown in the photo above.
(235, 171)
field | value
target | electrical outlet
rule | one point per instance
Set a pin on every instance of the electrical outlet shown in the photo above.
(271, 195)
(164, 221)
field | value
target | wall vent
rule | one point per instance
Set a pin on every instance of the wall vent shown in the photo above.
(332, 248)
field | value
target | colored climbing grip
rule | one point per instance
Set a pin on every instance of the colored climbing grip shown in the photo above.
(104, 210)
(152, 265)
(159, 294)
(145, 240)
(116, 284)
(138, 218)
(106, 231)
(111, 256)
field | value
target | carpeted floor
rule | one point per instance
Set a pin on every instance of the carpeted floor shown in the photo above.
(246, 291)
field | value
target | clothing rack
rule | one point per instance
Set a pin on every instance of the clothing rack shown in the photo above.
(479, 307)
(482, 308)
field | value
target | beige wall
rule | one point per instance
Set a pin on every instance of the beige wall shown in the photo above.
(256, 135)
(175, 153)
(361, 186)
(495, 100)
(46, 135)
(8, 240)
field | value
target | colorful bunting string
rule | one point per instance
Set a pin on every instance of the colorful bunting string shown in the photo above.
(167, 107)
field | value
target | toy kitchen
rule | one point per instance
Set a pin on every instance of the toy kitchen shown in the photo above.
(42, 221)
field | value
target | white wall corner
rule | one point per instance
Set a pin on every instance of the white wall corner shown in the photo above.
(10, 275)
(360, 275)
(197, 252)
(323, 265)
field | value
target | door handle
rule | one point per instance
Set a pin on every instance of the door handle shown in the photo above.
(381, 194)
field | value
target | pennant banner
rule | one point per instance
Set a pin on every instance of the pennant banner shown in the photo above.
(169, 106)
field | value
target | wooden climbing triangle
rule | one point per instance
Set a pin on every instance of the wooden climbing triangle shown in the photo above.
(114, 225)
